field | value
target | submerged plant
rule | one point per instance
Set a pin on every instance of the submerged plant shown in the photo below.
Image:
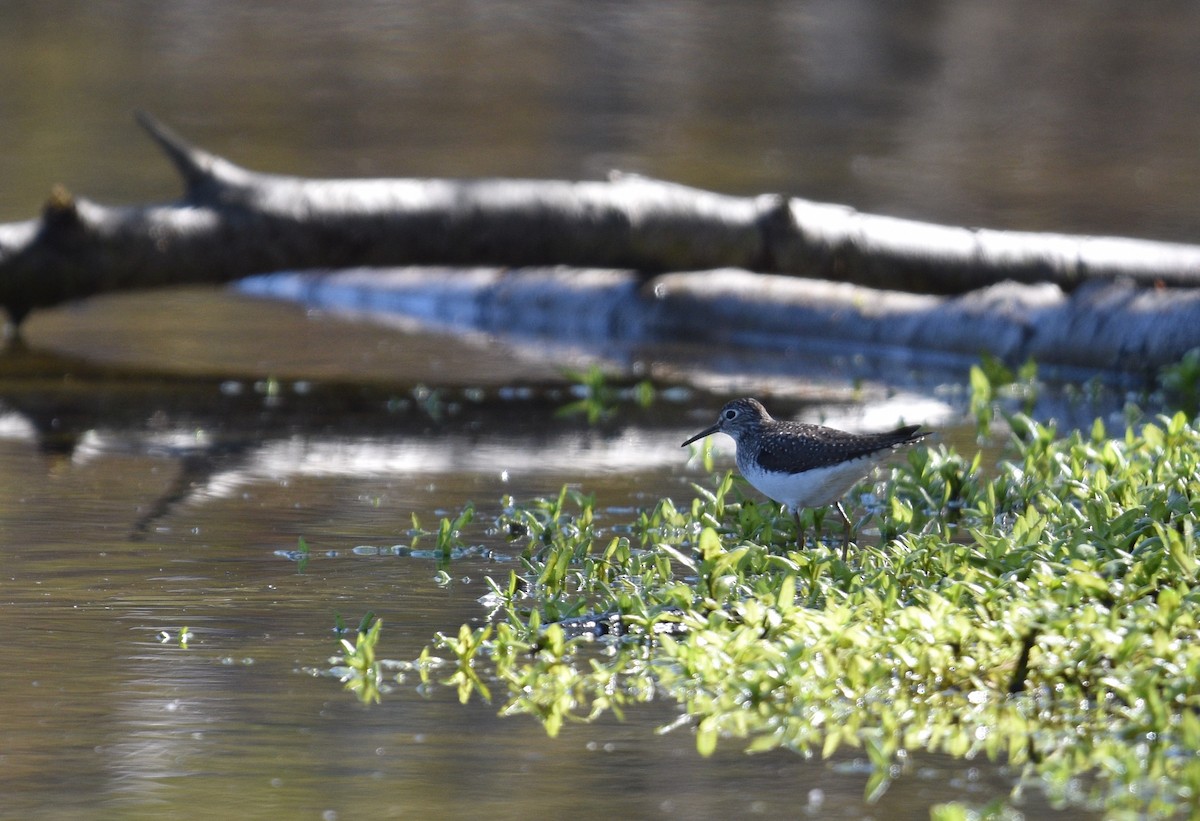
(1047, 616)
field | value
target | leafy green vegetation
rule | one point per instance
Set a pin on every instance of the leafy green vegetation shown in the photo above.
(359, 669)
(304, 554)
(597, 400)
(993, 382)
(1181, 382)
(1043, 612)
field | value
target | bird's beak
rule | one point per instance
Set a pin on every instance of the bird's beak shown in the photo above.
(702, 434)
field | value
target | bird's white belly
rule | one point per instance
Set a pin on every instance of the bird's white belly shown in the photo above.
(812, 488)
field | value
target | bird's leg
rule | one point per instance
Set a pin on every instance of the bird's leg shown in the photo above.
(799, 529)
(846, 521)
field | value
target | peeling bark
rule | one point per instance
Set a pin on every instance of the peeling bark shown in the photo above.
(232, 222)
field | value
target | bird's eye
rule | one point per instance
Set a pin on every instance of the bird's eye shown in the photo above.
(730, 415)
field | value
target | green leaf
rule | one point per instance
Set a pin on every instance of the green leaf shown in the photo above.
(710, 545)
(706, 736)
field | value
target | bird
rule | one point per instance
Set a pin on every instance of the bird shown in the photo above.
(801, 465)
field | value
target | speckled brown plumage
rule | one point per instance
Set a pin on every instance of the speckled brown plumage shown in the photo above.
(791, 447)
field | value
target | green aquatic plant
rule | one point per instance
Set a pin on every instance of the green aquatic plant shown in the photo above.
(1043, 612)
(598, 400)
(1181, 382)
(448, 535)
(364, 673)
(447, 539)
(993, 384)
(360, 670)
(303, 555)
(997, 810)
(183, 637)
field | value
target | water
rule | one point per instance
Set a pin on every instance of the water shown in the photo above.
(160, 454)
(1081, 117)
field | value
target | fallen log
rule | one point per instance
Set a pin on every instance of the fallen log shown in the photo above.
(232, 222)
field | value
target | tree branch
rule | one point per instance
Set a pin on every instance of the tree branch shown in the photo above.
(232, 222)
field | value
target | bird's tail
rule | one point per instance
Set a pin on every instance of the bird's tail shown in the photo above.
(908, 435)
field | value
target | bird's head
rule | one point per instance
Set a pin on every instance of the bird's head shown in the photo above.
(735, 418)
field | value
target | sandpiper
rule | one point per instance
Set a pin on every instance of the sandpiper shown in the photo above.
(801, 465)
